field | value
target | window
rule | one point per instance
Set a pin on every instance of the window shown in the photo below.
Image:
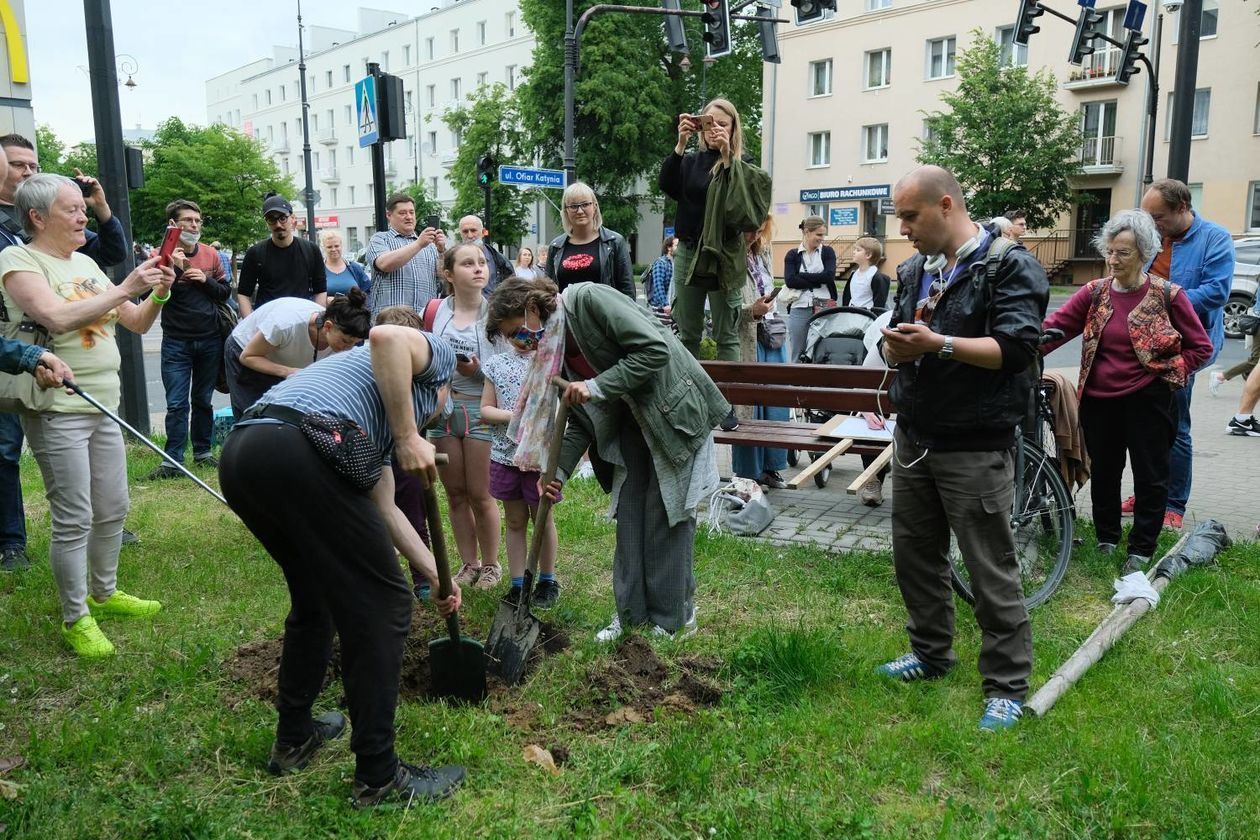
(457, 138)
(876, 5)
(1255, 129)
(1207, 21)
(819, 210)
(454, 40)
(481, 78)
(940, 58)
(328, 82)
(352, 237)
(351, 189)
(428, 48)
(878, 68)
(1253, 206)
(820, 148)
(456, 87)
(1098, 133)
(349, 115)
(349, 155)
(268, 94)
(255, 102)
(433, 142)
(433, 186)
(284, 166)
(510, 73)
(284, 93)
(334, 196)
(430, 95)
(407, 54)
(820, 78)
(1010, 53)
(315, 161)
(271, 135)
(345, 72)
(510, 24)
(929, 133)
(481, 33)
(385, 60)
(875, 143)
(1199, 118)
(315, 123)
(1196, 194)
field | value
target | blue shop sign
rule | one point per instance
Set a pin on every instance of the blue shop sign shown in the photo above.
(871, 191)
(841, 216)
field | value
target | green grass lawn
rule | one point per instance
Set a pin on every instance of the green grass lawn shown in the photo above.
(1159, 739)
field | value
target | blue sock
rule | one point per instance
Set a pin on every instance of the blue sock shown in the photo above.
(546, 578)
(518, 581)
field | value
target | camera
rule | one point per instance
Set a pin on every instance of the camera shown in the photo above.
(86, 188)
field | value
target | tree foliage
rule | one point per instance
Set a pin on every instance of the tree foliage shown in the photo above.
(628, 94)
(1005, 138)
(49, 149)
(489, 124)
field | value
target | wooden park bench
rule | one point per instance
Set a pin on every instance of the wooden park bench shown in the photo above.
(840, 391)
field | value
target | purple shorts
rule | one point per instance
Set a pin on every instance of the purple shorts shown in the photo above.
(509, 484)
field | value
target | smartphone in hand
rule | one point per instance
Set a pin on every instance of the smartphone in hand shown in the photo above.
(434, 221)
(703, 122)
(774, 293)
(169, 243)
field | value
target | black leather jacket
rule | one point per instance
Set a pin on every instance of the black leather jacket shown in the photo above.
(614, 261)
(952, 406)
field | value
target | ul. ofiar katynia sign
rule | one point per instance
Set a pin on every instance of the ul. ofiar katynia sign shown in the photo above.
(529, 177)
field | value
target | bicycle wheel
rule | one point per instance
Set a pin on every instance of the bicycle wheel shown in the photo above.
(1043, 521)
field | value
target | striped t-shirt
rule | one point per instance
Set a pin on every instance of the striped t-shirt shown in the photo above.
(343, 385)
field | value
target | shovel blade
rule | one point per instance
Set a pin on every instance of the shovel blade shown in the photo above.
(457, 670)
(512, 638)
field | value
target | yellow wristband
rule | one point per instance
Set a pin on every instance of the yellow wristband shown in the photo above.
(161, 300)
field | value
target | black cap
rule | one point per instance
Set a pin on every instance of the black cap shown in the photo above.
(277, 204)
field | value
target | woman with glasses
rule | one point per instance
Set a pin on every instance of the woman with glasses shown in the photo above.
(588, 252)
(1142, 339)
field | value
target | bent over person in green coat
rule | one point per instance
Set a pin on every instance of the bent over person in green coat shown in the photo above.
(645, 409)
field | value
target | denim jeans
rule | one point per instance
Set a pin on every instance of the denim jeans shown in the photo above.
(190, 366)
(12, 515)
(752, 461)
(1181, 463)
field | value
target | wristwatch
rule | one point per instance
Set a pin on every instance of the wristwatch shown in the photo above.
(947, 349)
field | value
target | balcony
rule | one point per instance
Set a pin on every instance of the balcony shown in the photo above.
(330, 175)
(1101, 156)
(328, 137)
(1098, 70)
(281, 146)
(448, 159)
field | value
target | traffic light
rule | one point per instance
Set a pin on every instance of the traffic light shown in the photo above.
(717, 28)
(1129, 57)
(674, 34)
(766, 28)
(808, 11)
(1083, 39)
(486, 170)
(389, 105)
(1024, 26)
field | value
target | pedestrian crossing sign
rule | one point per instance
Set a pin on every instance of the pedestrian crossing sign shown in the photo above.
(365, 111)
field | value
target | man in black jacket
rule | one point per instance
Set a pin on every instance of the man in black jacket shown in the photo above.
(192, 348)
(966, 323)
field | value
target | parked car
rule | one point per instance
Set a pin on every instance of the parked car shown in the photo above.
(1242, 295)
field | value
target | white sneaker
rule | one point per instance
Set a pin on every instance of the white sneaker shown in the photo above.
(688, 629)
(1215, 381)
(610, 633)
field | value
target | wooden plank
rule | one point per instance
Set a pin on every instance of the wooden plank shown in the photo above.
(820, 463)
(881, 461)
(825, 376)
(797, 396)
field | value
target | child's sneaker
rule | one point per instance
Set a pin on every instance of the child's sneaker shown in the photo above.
(86, 639)
(467, 575)
(122, 605)
(489, 577)
(908, 668)
(546, 594)
(1000, 713)
(612, 632)
(688, 629)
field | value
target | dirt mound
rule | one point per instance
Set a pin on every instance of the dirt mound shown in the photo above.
(256, 665)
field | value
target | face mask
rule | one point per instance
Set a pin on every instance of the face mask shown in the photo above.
(189, 238)
(527, 340)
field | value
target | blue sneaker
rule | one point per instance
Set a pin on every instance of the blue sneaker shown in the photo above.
(1000, 713)
(908, 668)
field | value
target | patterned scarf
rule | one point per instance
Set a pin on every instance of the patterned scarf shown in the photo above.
(534, 423)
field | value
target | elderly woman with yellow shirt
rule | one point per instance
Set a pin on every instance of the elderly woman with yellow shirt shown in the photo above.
(76, 310)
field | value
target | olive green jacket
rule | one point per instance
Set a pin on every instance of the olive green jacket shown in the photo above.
(738, 202)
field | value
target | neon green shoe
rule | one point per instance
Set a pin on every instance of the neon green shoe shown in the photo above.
(86, 639)
(122, 605)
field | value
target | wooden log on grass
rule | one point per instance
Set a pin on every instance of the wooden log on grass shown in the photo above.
(1105, 635)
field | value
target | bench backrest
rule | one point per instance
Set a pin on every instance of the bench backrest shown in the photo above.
(834, 388)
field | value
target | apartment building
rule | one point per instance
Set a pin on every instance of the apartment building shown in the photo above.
(844, 111)
(442, 55)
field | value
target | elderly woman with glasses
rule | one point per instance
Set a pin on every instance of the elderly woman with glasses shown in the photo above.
(588, 251)
(1142, 340)
(75, 308)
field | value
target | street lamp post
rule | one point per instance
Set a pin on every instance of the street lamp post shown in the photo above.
(308, 195)
(1183, 90)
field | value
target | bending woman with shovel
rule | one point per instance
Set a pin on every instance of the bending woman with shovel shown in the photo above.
(644, 408)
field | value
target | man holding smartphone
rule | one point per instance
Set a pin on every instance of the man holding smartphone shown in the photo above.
(404, 263)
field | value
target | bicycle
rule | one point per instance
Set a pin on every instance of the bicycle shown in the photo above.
(1043, 516)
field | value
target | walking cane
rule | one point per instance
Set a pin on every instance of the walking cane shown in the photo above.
(121, 422)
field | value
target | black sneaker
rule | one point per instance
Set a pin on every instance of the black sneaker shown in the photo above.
(207, 460)
(729, 422)
(411, 785)
(1249, 427)
(129, 537)
(14, 559)
(513, 596)
(546, 594)
(283, 760)
(163, 470)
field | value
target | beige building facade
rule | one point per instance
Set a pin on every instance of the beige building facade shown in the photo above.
(845, 110)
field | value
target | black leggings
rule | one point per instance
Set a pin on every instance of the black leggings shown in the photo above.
(343, 577)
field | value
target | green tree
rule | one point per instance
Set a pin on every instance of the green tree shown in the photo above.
(490, 123)
(48, 148)
(225, 172)
(628, 94)
(1005, 138)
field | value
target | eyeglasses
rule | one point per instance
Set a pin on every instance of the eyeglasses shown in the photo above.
(22, 164)
(1120, 255)
(576, 207)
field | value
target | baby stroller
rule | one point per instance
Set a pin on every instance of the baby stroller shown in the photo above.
(834, 338)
